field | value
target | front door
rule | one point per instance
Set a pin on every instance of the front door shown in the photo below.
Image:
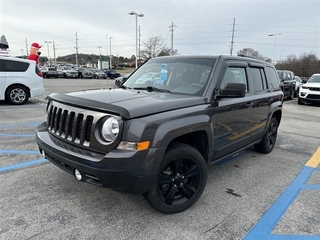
(234, 118)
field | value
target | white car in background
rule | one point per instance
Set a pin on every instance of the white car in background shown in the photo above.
(20, 79)
(297, 84)
(310, 91)
(147, 79)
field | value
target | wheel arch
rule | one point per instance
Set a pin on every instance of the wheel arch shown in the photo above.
(194, 131)
(17, 85)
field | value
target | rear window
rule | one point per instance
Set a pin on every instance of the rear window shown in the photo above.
(52, 69)
(13, 66)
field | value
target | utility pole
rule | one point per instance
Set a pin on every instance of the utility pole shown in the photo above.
(171, 29)
(47, 42)
(231, 46)
(27, 47)
(139, 45)
(76, 47)
(110, 64)
(107, 48)
(54, 53)
(100, 57)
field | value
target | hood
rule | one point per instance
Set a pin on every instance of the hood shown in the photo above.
(312, 84)
(127, 103)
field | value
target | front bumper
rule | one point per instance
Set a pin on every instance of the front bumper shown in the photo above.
(309, 96)
(110, 171)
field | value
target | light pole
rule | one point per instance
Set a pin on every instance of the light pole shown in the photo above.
(47, 42)
(110, 57)
(274, 44)
(100, 56)
(137, 15)
(281, 54)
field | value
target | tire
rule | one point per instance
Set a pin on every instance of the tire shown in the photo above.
(17, 95)
(300, 102)
(269, 138)
(180, 181)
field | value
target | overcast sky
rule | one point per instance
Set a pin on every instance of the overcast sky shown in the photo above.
(200, 26)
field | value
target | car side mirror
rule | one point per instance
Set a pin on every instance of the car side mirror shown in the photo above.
(233, 90)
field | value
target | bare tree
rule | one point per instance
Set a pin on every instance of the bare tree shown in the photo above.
(305, 65)
(253, 53)
(155, 47)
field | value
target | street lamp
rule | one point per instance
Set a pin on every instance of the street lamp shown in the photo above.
(110, 57)
(100, 56)
(137, 15)
(274, 44)
(47, 42)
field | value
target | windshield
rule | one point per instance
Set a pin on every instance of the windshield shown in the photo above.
(176, 74)
(314, 78)
(99, 71)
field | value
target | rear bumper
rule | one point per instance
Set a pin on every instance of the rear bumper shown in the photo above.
(36, 92)
(103, 171)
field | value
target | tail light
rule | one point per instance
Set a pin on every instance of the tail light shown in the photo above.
(38, 72)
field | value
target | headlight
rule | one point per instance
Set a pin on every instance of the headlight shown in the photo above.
(303, 87)
(110, 129)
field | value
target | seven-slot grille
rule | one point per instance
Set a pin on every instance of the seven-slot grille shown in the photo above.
(70, 125)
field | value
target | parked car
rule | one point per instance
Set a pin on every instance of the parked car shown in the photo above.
(20, 79)
(310, 91)
(84, 73)
(147, 79)
(67, 72)
(120, 80)
(98, 73)
(297, 83)
(111, 73)
(287, 83)
(160, 141)
(48, 72)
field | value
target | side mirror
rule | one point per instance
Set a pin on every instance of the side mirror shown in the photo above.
(233, 90)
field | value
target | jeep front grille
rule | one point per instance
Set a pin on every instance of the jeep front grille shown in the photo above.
(314, 89)
(70, 125)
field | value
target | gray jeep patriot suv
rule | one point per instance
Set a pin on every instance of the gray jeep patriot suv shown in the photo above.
(158, 140)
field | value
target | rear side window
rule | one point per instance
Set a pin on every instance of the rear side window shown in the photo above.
(14, 66)
(272, 78)
(259, 82)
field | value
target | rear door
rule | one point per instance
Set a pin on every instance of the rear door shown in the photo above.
(262, 100)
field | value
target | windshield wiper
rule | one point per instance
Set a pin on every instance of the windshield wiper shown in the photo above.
(150, 89)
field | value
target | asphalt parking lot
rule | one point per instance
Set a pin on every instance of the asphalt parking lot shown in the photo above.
(253, 196)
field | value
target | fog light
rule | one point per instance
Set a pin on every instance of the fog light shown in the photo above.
(77, 174)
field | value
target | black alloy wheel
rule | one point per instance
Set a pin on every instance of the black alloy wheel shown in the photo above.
(269, 138)
(180, 181)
